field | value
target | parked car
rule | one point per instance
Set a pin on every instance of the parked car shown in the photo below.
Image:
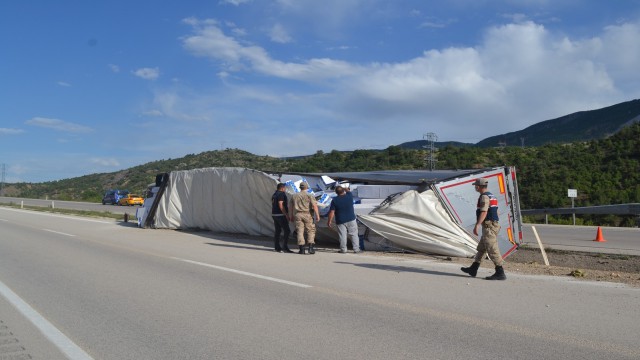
(113, 196)
(131, 199)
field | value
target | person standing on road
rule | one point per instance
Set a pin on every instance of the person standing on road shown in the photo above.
(280, 215)
(302, 204)
(487, 217)
(342, 209)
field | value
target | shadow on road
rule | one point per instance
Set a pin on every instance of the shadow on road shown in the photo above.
(127, 224)
(239, 246)
(241, 241)
(399, 269)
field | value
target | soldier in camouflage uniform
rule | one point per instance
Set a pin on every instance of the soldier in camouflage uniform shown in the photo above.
(487, 218)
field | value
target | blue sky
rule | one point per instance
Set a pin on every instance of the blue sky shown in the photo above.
(99, 86)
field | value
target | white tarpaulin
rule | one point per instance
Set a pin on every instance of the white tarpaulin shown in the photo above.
(238, 200)
(418, 221)
(234, 200)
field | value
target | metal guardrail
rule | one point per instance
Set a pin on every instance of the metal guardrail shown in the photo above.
(620, 209)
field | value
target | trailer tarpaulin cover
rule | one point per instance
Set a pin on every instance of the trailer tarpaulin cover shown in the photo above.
(418, 221)
(234, 200)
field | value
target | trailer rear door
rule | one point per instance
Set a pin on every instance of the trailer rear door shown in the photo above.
(460, 199)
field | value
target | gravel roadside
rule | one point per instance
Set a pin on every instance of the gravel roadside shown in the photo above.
(579, 265)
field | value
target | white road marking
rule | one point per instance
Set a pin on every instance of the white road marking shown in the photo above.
(245, 273)
(58, 232)
(60, 340)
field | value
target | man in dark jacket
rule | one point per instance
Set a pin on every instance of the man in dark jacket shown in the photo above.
(280, 215)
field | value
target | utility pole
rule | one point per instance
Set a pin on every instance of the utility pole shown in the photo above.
(431, 158)
(4, 170)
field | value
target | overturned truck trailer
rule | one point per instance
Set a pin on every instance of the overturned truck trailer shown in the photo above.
(440, 219)
(424, 211)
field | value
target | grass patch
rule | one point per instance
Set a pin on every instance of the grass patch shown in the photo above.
(613, 256)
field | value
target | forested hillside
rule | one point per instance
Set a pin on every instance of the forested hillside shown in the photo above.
(603, 171)
(579, 126)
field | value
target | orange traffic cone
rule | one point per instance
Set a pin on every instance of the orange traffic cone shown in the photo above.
(599, 237)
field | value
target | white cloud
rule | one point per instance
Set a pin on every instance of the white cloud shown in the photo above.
(209, 41)
(432, 24)
(279, 34)
(620, 49)
(516, 17)
(58, 125)
(328, 16)
(8, 131)
(235, 2)
(147, 73)
(187, 107)
(341, 48)
(65, 84)
(114, 68)
(521, 73)
(239, 32)
(154, 113)
(106, 162)
(18, 169)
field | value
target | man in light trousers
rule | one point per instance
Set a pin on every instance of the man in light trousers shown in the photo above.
(342, 210)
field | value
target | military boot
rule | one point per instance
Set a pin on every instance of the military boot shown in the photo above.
(471, 270)
(301, 252)
(499, 275)
(312, 249)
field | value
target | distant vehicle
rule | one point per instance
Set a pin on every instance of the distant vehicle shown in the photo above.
(130, 200)
(113, 196)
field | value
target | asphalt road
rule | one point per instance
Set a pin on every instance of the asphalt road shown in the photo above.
(82, 288)
(562, 237)
(581, 238)
(74, 205)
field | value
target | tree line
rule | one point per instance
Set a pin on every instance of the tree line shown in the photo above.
(605, 171)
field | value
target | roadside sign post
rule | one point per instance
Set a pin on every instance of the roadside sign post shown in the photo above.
(573, 193)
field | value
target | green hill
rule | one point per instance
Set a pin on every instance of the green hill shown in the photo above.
(580, 126)
(136, 179)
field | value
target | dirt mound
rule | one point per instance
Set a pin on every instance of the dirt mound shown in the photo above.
(579, 265)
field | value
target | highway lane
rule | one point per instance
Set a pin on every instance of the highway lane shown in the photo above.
(561, 237)
(581, 238)
(119, 292)
(73, 205)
